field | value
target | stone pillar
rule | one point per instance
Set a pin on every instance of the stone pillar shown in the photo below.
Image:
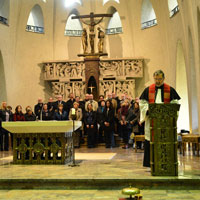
(92, 69)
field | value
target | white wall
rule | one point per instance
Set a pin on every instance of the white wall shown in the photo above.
(23, 51)
(182, 89)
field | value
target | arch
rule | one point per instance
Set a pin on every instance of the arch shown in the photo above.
(35, 21)
(3, 92)
(73, 26)
(105, 1)
(69, 3)
(193, 86)
(173, 7)
(4, 11)
(182, 89)
(114, 24)
(148, 16)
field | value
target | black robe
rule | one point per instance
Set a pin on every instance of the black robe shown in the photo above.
(173, 94)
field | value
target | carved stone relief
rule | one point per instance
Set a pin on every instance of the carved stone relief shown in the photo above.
(110, 69)
(116, 76)
(64, 89)
(118, 87)
(133, 68)
(64, 70)
(121, 69)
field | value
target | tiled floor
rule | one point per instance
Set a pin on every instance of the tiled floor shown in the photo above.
(124, 165)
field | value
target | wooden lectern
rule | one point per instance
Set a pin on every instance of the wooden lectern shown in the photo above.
(163, 141)
(42, 142)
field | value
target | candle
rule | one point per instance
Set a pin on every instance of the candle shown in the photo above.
(73, 111)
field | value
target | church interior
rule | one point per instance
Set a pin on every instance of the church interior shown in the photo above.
(42, 56)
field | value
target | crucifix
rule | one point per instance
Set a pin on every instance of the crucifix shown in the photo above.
(92, 23)
(91, 88)
(92, 59)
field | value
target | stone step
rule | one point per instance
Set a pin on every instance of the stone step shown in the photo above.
(101, 183)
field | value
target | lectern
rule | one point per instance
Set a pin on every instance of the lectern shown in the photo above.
(163, 141)
(42, 142)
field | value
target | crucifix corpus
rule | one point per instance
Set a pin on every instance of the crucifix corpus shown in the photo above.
(92, 23)
(91, 89)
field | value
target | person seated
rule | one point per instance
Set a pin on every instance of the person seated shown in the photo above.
(126, 115)
(5, 116)
(50, 105)
(29, 116)
(9, 108)
(18, 116)
(46, 114)
(77, 117)
(136, 122)
(60, 114)
(78, 112)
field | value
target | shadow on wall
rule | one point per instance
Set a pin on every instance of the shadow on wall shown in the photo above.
(193, 86)
(45, 84)
(140, 82)
(115, 43)
(74, 47)
(3, 92)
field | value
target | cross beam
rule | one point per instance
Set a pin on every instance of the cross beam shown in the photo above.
(91, 16)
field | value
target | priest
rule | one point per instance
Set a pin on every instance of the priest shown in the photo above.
(159, 92)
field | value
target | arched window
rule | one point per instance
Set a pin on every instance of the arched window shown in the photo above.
(35, 20)
(105, 1)
(114, 24)
(173, 7)
(148, 18)
(69, 3)
(73, 26)
(44, 1)
(4, 11)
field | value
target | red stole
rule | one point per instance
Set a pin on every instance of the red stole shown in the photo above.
(152, 92)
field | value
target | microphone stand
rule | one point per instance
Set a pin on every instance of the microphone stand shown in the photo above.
(73, 156)
(41, 113)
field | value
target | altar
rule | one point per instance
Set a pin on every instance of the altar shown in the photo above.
(42, 142)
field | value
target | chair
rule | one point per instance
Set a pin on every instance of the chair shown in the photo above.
(191, 138)
(138, 138)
